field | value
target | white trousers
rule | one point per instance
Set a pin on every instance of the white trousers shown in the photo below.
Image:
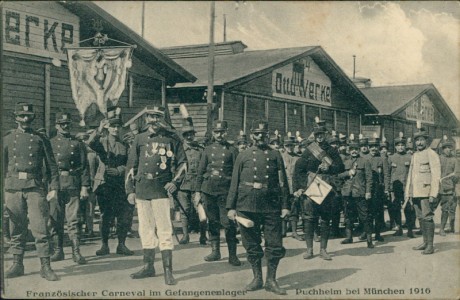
(155, 227)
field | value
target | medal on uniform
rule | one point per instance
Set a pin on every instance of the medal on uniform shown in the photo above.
(162, 150)
(169, 152)
(163, 163)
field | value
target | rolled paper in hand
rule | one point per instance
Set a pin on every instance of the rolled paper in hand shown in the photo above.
(245, 222)
(201, 212)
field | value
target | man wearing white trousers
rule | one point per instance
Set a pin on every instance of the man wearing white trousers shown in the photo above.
(156, 161)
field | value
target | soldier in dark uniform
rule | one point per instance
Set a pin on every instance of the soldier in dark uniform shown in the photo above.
(399, 163)
(356, 192)
(70, 155)
(109, 184)
(337, 204)
(321, 160)
(193, 151)
(380, 186)
(258, 192)
(213, 181)
(289, 158)
(449, 173)
(275, 141)
(156, 163)
(242, 141)
(27, 157)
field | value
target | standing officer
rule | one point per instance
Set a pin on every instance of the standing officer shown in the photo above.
(356, 192)
(321, 160)
(423, 186)
(27, 157)
(70, 155)
(156, 163)
(399, 163)
(337, 204)
(213, 181)
(109, 181)
(258, 192)
(380, 185)
(289, 159)
(449, 172)
(242, 141)
(275, 141)
(193, 151)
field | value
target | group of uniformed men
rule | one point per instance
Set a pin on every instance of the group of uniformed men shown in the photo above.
(260, 187)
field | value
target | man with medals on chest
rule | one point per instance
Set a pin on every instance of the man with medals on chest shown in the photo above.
(422, 187)
(213, 181)
(109, 181)
(27, 158)
(399, 163)
(258, 195)
(155, 165)
(72, 161)
(322, 161)
(356, 192)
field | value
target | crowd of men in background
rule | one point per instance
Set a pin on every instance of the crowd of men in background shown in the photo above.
(260, 186)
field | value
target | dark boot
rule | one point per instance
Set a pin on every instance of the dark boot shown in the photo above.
(58, 242)
(422, 246)
(46, 271)
(270, 283)
(283, 228)
(17, 268)
(185, 238)
(76, 256)
(105, 250)
(232, 258)
(369, 241)
(363, 236)
(429, 228)
(257, 282)
(452, 225)
(215, 254)
(410, 234)
(348, 233)
(203, 237)
(148, 269)
(166, 255)
(295, 235)
(399, 231)
(309, 233)
(444, 217)
(123, 250)
(324, 238)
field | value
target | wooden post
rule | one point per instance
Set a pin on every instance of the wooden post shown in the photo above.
(245, 111)
(130, 91)
(266, 109)
(286, 123)
(222, 102)
(210, 92)
(163, 92)
(48, 98)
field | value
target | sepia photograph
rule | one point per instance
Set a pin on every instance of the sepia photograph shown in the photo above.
(230, 149)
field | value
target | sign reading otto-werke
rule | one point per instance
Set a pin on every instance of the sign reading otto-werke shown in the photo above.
(39, 28)
(302, 80)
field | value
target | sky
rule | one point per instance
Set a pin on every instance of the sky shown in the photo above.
(395, 43)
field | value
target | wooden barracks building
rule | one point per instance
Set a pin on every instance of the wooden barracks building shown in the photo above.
(34, 62)
(289, 87)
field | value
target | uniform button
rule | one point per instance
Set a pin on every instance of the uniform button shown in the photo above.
(59, 154)
(15, 141)
(59, 146)
(266, 176)
(255, 176)
(253, 152)
(222, 161)
(30, 154)
(72, 145)
(71, 152)
(16, 164)
(14, 156)
(266, 152)
(59, 162)
(71, 162)
(70, 170)
(17, 135)
(146, 164)
(223, 154)
(220, 176)
(14, 149)
(268, 167)
(158, 164)
(30, 147)
(30, 162)
(59, 139)
(212, 154)
(156, 173)
(254, 159)
(268, 159)
(221, 169)
(255, 168)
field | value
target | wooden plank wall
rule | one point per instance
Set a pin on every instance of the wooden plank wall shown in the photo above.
(22, 82)
(198, 113)
(276, 116)
(233, 113)
(328, 116)
(353, 124)
(342, 124)
(255, 111)
(312, 112)
(295, 118)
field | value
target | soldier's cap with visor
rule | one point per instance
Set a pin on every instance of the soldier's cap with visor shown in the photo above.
(352, 143)
(23, 108)
(363, 141)
(421, 132)
(310, 139)
(156, 110)
(384, 143)
(114, 116)
(342, 139)
(289, 139)
(275, 137)
(374, 140)
(319, 126)
(242, 138)
(63, 118)
(400, 139)
(187, 126)
(446, 142)
(220, 126)
(333, 139)
(259, 126)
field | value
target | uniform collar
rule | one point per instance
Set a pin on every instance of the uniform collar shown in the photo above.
(27, 130)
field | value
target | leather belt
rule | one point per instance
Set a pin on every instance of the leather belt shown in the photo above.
(256, 185)
(64, 173)
(215, 172)
(22, 175)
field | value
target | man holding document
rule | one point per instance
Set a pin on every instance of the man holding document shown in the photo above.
(258, 193)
